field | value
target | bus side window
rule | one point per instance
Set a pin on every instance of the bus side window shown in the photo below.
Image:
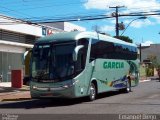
(82, 55)
(93, 53)
(81, 60)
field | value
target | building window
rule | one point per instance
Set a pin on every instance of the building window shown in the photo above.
(17, 37)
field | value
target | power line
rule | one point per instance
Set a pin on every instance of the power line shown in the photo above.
(50, 8)
(82, 18)
(42, 4)
(79, 15)
(17, 12)
(52, 20)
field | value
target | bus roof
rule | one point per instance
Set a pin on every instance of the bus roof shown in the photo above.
(76, 35)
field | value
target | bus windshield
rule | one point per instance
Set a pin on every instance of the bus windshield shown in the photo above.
(52, 62)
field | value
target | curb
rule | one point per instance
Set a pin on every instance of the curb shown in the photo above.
(141, 81)
(14, 99)
(23, 88)
(15, 96)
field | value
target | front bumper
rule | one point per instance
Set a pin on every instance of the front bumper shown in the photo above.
(38, 90)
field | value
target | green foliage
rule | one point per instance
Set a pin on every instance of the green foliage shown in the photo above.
(142, 71)
(125, 38)
(155, 63)
(158, 66)
(150, 70)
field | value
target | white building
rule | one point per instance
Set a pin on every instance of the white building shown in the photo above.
(15, 37)
(66, 26)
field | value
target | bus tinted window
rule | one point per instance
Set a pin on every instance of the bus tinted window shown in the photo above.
(101, 49)
(82, 53)
(109, 50)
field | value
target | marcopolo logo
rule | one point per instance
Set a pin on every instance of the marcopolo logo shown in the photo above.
(113, 65)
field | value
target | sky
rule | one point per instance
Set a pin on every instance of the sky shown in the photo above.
(144, 31)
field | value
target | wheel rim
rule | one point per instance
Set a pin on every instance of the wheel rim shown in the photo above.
(92, 92)
(128, 87)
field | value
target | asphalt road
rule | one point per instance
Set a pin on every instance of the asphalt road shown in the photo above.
(144, 99)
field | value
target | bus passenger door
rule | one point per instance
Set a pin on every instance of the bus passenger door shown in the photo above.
(82, 67)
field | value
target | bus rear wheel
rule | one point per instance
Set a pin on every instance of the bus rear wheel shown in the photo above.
(92, 92)
(127, 89)
(128, 86)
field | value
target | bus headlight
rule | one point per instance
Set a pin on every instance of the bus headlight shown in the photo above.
(66, 86)
(70, 84)
(34, 87)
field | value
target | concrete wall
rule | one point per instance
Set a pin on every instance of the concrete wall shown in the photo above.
(153, 49)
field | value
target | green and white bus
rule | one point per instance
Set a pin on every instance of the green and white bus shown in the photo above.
(77, 64)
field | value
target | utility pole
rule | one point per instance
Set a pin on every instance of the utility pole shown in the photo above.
(117, 15)
(140, 52)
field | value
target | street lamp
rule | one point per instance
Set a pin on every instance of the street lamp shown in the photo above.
(131, 22)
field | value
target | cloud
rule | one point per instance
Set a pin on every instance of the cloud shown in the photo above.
(135, 24)
(107, 28)
(157, 18)
(102, 4)
(138, 23)
(132, 5)
(147, 43)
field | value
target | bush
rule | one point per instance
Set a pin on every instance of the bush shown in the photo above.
(149, 72)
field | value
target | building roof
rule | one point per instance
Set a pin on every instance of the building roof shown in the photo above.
(22, 26)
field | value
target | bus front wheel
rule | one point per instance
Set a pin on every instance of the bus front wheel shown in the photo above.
(92, 92)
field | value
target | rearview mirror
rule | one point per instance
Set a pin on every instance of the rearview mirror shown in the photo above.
(25, 55)
(76, 50)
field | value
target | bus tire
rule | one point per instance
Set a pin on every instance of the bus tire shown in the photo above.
(92, 92)
(127, 89)
(128, 86)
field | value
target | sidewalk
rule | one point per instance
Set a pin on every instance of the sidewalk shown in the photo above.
(145, 79)
(8, 93)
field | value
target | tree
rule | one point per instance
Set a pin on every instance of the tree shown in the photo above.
(155, 62)
(125, 38)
